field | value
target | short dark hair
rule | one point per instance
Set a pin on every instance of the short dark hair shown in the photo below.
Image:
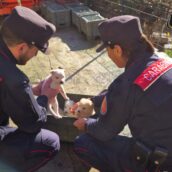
(9, 37)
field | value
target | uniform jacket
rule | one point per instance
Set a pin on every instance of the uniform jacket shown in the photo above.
(16, 97)
(148, 113)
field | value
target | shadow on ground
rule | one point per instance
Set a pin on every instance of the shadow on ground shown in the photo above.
(71, 39)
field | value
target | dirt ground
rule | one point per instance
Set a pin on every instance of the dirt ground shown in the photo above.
(70, 50)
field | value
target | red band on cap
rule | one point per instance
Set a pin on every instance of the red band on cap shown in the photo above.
(152, 73)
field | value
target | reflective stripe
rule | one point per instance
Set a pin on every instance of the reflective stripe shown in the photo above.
(41, 111)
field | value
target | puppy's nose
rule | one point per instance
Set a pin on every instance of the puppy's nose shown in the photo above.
(78, 111)
(61, 82)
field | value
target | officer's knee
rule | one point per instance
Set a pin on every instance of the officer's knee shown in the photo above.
(84, 148)
(56, 142)
(81, 144)
(51, 140)
(81, 140)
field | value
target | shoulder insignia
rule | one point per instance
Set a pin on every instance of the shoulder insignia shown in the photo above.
(152, 73)
(103, 109)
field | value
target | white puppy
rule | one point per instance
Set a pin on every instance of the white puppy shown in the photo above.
(51, 86)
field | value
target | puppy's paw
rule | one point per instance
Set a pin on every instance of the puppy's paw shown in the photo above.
(57, 116)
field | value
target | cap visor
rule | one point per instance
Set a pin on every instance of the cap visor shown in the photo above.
(46, 49)
(100, 48)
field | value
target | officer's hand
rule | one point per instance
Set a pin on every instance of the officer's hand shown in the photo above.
(80, 124)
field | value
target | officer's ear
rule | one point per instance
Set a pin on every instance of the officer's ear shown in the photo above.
(18, 49)
(169, 21)
(22, 48)
(120, 60)
(117, 50)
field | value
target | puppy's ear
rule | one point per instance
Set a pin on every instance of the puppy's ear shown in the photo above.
(60, 67)
(86, 100)
(52, 71)
(82, 100)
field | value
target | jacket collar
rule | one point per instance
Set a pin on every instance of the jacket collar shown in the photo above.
(5, 52)
(138, 56)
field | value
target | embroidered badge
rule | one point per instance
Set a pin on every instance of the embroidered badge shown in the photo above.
(152, 73)
(103, 109)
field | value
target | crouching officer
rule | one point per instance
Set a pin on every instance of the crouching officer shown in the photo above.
(28, 147)
(140, 97)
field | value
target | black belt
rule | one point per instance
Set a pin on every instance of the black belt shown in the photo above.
(150, 159)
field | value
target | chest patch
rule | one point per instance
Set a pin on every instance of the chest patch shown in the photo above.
(152, 73)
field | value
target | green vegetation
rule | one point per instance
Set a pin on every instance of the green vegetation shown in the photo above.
(169, 52)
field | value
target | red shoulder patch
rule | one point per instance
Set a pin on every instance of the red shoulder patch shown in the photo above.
(104, 106)
(152, 73)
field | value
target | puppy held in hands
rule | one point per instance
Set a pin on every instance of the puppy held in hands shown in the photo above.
(83, 109)
(51, 86)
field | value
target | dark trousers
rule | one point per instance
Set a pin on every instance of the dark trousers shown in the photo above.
(110, 156)
(25, 152)
(115, 155)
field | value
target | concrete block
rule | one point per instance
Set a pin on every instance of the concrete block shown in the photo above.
(64, 127)
(72, 6)
(43, 8)
(58, 15)
(79, 12)
(89, 25)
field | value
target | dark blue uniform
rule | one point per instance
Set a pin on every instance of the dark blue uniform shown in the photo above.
(148, 114)
(27, 147)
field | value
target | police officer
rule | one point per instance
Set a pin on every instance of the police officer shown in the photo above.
(140, 97)
(27, 147)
